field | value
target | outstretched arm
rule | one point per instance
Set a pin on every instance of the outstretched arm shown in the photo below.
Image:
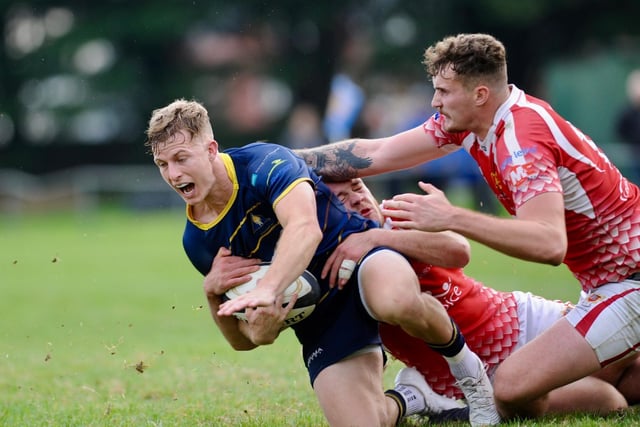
(353, 158)
(445, 249)
(537, 233)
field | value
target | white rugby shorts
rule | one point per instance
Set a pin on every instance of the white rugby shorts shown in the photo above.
(609, 319)
(537, 314)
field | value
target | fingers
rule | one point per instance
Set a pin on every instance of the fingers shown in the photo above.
(412, 197)
(331, 268)
(328, 266)
(242, 302)
(429, 188)
(223, 251)
(346, 269)
(345, 272)
(290, 304)
(397, 211)
(404, 224)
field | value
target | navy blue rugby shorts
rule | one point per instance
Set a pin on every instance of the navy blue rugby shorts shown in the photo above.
(338, 327)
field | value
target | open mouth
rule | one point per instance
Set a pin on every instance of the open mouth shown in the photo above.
(186, 188)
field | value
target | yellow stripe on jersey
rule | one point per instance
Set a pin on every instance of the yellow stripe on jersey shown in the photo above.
(231, 173)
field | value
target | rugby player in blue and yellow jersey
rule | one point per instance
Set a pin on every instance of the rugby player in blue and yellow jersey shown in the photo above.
(261, 202)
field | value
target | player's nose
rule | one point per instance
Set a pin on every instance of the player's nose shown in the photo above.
(173, 172)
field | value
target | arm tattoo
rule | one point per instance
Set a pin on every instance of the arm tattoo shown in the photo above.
(335, 162)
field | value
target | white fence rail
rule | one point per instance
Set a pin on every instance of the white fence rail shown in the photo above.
(84, 188)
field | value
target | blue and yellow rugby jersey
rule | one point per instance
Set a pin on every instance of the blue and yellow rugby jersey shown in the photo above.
(263, 173)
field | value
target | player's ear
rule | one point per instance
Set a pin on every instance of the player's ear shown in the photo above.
(213, 149)
(481, 95)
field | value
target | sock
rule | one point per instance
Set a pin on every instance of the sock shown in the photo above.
(402, 406)
(465, 364)
(408, 399)
(453, 346)
(462, 361)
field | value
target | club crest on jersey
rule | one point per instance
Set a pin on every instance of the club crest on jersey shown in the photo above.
(258, 222)
(594, 298)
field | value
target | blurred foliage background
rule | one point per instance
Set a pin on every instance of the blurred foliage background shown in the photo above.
(79, 79)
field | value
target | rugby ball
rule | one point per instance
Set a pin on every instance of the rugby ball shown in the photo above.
(306, 286)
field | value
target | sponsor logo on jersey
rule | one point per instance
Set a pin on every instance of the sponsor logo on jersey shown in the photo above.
(516, 155)
(449, 293)
(519, 173)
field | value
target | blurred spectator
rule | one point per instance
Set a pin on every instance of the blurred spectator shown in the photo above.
(253, 102)
(346, 99)
(346, 95)
(303, 129)
(628, 124)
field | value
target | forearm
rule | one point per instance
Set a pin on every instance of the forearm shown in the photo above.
(445, 249)
(339, 161)
(296, 247)
(261, 335)
(230, 327)
(245, 335)
(529, 240)
(354, 158)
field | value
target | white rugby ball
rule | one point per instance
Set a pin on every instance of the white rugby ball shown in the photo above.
(306, 286)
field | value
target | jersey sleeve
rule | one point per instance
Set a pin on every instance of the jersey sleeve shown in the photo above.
(448, 140)
(276, 172)
(528, 159)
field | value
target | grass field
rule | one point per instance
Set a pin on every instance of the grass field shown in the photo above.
(102, 323)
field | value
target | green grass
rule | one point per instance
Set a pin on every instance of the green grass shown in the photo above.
(102, 323)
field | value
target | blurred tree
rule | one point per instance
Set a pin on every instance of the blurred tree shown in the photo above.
(79, 79)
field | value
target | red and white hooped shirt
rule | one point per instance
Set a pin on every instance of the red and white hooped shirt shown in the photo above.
(531, 150)
(487, 318)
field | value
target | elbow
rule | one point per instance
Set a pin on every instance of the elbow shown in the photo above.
(555, 260)
(315, 235)
(254, 341)
(243, 346)
(264, 340)
(553, 254)
(462, 253)
(457, 253)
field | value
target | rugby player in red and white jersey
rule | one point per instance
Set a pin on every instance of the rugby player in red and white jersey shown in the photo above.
(569, 204)
(494, 323)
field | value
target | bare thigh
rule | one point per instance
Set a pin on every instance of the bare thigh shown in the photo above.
(350, 392)
(556, 357)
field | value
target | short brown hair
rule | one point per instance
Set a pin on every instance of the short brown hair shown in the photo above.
(165, 122)
(470, 56)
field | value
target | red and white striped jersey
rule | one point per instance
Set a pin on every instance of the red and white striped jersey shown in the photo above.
(531, 150)
(487, 318)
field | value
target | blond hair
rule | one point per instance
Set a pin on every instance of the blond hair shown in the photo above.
(180, 115)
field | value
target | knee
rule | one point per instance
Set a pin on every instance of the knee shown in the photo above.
(396, 309)
(503, 392)
(615, 401)
(510, 396)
